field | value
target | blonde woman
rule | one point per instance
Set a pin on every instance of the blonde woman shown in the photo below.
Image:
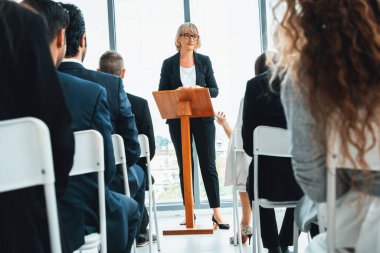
(188, 69)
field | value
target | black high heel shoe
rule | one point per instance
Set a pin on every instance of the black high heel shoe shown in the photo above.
(220, 226)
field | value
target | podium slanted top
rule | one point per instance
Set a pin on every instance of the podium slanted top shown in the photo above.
(199, 99)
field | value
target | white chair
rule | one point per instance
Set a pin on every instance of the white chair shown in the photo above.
(269, 141)
(352, 213)
(26, 160)
(120, 158)
(89, 158)
(145, 152)
(238, 148)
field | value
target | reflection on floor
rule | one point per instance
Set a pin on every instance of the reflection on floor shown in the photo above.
(216, 243)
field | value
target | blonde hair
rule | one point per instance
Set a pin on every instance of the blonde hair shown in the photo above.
(184, 28)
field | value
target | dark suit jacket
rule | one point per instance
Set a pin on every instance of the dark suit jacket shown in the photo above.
(122, 119)
(140, 109)
(263, 107)
(171, 79)
(29, 87)
(87, 102)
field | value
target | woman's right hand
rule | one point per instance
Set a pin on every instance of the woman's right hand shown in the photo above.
(220, 118)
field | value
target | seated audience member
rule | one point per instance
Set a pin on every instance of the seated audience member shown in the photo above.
(240, 162)
(122, 119)
(276, 180)
(30, 88)
(87, 102)
(331, 99)
(112, 62)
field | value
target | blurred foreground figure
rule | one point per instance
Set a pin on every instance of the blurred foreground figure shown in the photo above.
(29, 87)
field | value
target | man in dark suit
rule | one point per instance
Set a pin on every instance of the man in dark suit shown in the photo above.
(29, 87)
(87, 102)
(112, 62)
(262, 107)
(122, 119)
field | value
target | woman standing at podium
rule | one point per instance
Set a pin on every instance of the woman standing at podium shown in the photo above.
(188, 69)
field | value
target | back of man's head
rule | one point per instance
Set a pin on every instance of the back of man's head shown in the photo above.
(75, 30)
(55, 15)
(111, 62)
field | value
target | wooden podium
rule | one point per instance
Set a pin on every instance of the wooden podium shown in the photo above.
(185, 104)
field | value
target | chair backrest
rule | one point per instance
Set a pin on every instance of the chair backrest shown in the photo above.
(118, 149)
(271, 141)
(120, 158)
(26, 156)
(89, 152)
(144, 146)
(26, 160)
(145, 152)
(89, 157)
(336, 160)
(268, 141)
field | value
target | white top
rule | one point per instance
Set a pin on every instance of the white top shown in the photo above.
(237, 162)
(188, 76)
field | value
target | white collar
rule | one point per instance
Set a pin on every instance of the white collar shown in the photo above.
(72, 60)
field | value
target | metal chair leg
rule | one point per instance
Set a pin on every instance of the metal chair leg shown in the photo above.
(295, 237)
(156, 221)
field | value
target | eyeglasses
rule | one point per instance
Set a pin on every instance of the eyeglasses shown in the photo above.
(188, 36)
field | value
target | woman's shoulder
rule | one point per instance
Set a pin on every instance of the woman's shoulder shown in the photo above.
(201, 56)
(172, 58)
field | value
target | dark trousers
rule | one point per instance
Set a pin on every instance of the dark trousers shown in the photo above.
(276, 183)
(269, 233)
(136, 180)
(144, 222)
(203, 132)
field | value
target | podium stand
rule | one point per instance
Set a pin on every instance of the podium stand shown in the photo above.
(186, 104)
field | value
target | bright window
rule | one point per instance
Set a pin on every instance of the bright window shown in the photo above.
(145, 37)
(96, 19)
(230, 35)
(271, 13)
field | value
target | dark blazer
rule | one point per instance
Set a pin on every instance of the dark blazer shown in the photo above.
(29, 87)
(122, 119)
(140, 109)
(171, 79)
(263, 107)
(88, 105)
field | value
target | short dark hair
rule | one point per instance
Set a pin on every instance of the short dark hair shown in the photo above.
(75, 30)
(55, 15)
(261, 64)
(111, 62)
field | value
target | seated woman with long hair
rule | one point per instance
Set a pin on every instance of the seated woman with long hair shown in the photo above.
(330, 52)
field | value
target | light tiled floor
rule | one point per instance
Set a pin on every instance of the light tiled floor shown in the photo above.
(216, 243)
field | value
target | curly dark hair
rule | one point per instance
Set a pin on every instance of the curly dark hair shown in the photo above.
(332, 50)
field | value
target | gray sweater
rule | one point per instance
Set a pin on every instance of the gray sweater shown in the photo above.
(309, 156)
